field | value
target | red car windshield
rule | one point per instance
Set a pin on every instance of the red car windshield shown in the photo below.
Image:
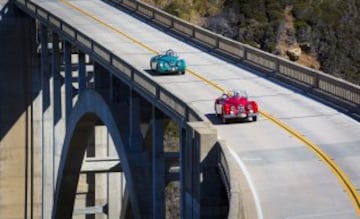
(237, 94)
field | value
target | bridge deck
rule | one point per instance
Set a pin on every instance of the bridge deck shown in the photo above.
(288, 180)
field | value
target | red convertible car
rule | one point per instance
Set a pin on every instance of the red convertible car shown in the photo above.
(235, 105)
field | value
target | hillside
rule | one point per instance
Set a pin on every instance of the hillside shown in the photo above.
(319, 34)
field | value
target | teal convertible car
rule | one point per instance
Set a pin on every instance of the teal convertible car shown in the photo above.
(167, 62)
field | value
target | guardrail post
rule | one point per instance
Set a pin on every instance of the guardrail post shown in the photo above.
(245, 53)
(316, 84)
(277, 67)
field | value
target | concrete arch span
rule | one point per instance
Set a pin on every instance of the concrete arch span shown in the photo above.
(89, 110)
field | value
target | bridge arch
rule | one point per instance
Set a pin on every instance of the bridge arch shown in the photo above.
(89, 110)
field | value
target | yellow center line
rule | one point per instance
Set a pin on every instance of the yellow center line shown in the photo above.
(338, 172)
(107, 25)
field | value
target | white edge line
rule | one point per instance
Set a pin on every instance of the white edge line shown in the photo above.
(249, 180)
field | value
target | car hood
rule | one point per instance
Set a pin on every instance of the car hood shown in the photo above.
(237, 101)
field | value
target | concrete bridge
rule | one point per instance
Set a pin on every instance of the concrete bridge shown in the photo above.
(85, 124)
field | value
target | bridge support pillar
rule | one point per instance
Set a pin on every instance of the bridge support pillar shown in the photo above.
(20, 193)
(68, 80)
(82, 72)
(47, 124)
(197, 142)
(107, 187)
(58, 102)
(158, 167)
(135, 139)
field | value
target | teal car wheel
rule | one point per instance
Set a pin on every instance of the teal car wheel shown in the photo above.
(157, 70)
(153, 65)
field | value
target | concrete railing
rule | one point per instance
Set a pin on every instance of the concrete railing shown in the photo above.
(336, 91)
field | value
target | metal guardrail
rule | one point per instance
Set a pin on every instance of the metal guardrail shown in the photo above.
(332, 89)
(153, 92)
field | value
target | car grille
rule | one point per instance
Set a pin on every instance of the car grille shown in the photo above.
(241, 108)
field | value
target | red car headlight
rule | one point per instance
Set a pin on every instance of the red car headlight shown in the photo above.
(226, 109)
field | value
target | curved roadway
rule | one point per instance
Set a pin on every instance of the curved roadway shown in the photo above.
(287, 179)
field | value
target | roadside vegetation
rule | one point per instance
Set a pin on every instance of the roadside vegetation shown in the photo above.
(319, 34)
